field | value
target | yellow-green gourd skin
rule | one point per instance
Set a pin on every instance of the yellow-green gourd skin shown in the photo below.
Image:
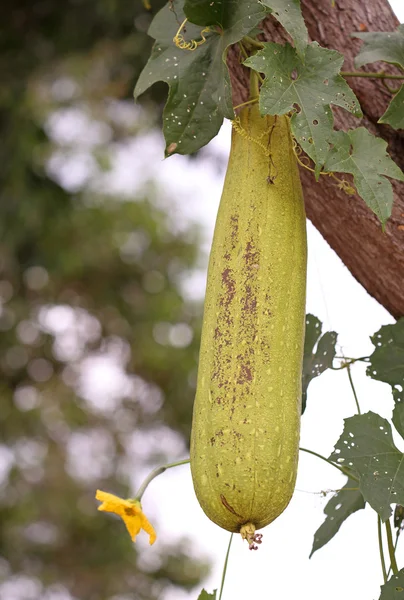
(246, 420)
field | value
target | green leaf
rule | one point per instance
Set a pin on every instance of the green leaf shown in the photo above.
(367, 446)
(380, 45)
(221, 13)
(387, 360)
(311, 86)
(388, 47)
(394, 114)
(364, 156)
(394, 588)
(316, 361)
(205, 596)
(290, 17)
(343, 504)
(199, 83)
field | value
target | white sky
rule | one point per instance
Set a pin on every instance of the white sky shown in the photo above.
(349, 566)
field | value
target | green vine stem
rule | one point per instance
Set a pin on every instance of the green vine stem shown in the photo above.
(390, 545)
(353, 360)
(163, 468)
(348, 368)
(395, 548)
(253, 42)
(378, 75)
(379, 535)
(157, 472)
(343, 470)
(226, 560)
(252, 101)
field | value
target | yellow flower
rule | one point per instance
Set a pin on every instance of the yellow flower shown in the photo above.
(130, 511)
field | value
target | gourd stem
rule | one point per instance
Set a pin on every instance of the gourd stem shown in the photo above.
(390, 545)
(255, 43)
(155, 473)
(342, 469)
(353, 360)
(252, 101)
(226, 560)
(254, 87)
(348, 368)
(379, 535)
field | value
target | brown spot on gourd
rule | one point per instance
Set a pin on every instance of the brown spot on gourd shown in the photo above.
(234, 230)
(218, 333)
(245, 374)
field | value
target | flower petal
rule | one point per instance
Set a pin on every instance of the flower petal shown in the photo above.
(130, 511)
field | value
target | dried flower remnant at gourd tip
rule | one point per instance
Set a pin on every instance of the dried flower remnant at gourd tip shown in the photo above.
(130, 511)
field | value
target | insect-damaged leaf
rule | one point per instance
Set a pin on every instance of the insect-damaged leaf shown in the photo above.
(387, 360)
(312, 86)
(367, 446)
(345, 502)
(290, 16)
(394, 588)
(199, 83)
(316, 361)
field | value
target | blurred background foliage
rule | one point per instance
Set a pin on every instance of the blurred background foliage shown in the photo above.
(98, 343)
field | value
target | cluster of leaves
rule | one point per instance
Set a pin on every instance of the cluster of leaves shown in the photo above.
(303, 81)
(367, 453)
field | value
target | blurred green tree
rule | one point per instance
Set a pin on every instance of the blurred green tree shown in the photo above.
(98, 347)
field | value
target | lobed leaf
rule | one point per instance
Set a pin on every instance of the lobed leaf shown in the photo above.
(387, 360)
(364, 156)
(387, 47)
(316, 361)
(394, 114)
(381, 45)
(310, 86)
(367, 446)
(290, 17)
(343, 504)
(199, 83)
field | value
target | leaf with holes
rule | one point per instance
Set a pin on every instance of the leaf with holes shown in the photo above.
(387, 360)
(387, 47)
(394, 588)
(364, 156)
(343, 504)
(312, 86)
(199, 83)
(290, 17)
(316, 361)
(205, 596)
(367, 446)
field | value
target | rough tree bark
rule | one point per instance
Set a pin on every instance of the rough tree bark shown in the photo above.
(375, 259)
